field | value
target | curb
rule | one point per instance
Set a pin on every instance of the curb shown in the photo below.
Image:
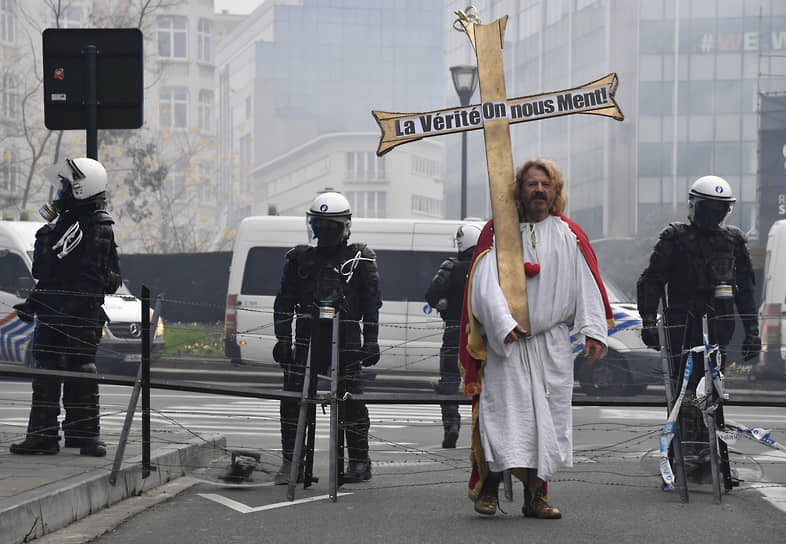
(58, 504)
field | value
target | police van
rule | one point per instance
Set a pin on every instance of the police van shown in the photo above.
(409, 252)
(120, 349)
(772, 313)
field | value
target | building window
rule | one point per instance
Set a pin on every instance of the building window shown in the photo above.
(426, 167)
(9, 98)
(174, 107)
(556, 10)
(178, 184)
(529, 21)
(205, 109)
(172, 37)
(204, 35)
(8, 173)
(7, 9)
(423, 205)
(204, 181)
(248, 107)
(365, 166)
(368, 203)
(245, 161)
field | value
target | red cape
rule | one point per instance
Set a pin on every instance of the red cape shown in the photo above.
(471, 367)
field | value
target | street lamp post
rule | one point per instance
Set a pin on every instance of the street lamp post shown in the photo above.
(465, 79)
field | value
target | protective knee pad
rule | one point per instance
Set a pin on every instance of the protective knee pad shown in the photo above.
(80, 400)
(356, 425)
(450, 413)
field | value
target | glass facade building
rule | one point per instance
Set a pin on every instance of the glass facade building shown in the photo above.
(330, 63)
(632, 177)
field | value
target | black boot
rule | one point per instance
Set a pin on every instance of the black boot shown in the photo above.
(81, 426)
(451, 422)
(93, 447)
(356, 429)
(42, 437)
(36, 445)
(288, 412)
(358, 471)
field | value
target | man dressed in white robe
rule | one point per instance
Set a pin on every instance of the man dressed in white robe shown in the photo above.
(524, 417)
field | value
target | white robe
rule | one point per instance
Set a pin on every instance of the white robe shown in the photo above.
(525, 403)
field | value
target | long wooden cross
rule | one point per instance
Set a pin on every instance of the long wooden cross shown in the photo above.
(494, 115)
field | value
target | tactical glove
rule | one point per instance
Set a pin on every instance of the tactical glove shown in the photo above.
(282, 353)
(25, 311)
(370, 352)
(751, 346)
(649, 334)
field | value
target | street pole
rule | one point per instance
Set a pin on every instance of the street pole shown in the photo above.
(463, 175)
(465, 80)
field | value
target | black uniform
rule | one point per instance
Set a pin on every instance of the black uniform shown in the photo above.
(686, 267)
(346, 277)
(75, 263)
(446, 294)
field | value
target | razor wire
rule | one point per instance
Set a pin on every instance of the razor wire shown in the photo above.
(428, 331)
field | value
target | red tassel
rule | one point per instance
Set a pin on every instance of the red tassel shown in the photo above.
(531, 269)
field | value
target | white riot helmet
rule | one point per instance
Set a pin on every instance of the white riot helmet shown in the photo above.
(467, 236)
(77, 179)
(329, 218)
(710, 201)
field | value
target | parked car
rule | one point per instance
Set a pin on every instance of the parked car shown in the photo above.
(629, 366)
(120, 349)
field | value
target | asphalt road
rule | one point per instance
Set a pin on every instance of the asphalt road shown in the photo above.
(418, 493)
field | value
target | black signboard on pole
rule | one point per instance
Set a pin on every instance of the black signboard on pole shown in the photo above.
(92, 79)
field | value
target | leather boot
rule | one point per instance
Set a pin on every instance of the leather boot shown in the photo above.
(36, 445)
(536, 505)
(358, 471)
(42, 436)
(451, 435)
(486, 502)
(356, 430)
(282, 476)
(92, 447)
(451, 422)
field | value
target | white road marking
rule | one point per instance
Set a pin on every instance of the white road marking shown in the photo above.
(244, 509)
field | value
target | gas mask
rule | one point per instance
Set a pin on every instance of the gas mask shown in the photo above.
(50, 211)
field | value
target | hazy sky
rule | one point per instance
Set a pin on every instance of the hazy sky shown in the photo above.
(236, 6)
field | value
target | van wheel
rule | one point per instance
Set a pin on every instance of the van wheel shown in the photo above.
(608, 376)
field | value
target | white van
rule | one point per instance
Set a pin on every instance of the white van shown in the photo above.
(119, 350)
(409, 252)
(772, 313)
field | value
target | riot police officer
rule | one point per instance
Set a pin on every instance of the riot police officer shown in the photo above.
(446, 294)
(75, 263)
(344, 276)
(697, 268)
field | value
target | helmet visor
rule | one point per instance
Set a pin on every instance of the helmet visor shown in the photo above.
(709, 214)
(330, 231)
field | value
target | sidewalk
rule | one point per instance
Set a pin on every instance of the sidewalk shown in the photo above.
(42, 493)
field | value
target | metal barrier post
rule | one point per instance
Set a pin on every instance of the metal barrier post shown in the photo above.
(145, 366)
(334, 427)
(129, 419)
(676, 444)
